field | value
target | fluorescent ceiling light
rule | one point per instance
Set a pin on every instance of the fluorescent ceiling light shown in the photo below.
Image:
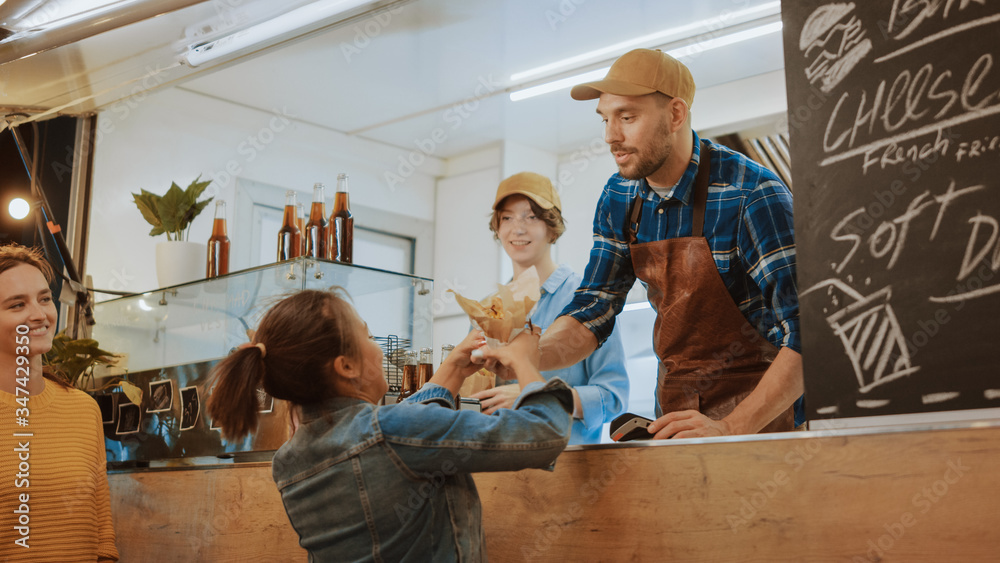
(658, 38)
(275, 27)
(558, 84)
(47, 15)
(685, 51)
(725, 40)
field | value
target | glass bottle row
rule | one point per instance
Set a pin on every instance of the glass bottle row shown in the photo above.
(418, 369)
(331, 239)
(318, 237)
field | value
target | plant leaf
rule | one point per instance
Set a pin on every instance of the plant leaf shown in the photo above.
(193, 206)
(172, 207)
(153, 200)
(81, 344)
(133, 393)
(147, 206)
(91, 348)
(193, 212)
(195, 188)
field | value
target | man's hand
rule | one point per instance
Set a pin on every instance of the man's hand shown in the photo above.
(501, 397)
(687, 424)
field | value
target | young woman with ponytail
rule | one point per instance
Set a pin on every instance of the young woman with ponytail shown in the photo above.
(362, 482)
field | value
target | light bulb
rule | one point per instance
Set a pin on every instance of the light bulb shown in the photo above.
(19, 208)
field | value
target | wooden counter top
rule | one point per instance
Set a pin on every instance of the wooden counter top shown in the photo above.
(915, 495)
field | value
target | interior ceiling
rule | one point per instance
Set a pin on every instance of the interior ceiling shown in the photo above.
(394, 75)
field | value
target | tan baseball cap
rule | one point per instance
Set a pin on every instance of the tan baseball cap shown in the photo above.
(534, 186)
(640, 72)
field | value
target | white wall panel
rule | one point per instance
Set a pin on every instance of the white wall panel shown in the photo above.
(175, 135)
(466, 258)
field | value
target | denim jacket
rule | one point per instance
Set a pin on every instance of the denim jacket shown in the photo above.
(367, 483)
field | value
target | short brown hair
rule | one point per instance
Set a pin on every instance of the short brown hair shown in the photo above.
(302, 334)
(14, 255)
(553, 219)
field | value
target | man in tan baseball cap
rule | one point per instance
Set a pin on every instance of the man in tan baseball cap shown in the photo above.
(714, 261)
(641, 72)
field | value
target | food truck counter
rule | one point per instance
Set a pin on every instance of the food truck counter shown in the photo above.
(912, 494)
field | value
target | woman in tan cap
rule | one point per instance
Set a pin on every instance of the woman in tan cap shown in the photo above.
(527, 220)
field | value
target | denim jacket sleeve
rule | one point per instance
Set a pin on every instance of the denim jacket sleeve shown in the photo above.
(427, 434)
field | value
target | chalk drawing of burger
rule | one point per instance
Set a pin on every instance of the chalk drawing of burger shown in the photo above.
(834, 42)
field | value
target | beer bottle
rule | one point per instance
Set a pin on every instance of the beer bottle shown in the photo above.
(300, 222)
(445, 350)
(409, 375)
(424, 368)
(342, 224)
(316, 229)
(218, 244)
(289, 235)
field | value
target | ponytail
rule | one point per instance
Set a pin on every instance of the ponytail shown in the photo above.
(233, 402)
(299, 355)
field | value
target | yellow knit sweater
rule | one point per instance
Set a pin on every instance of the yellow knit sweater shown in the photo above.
(68, 505)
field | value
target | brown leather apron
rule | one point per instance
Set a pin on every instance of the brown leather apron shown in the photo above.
(711, 358)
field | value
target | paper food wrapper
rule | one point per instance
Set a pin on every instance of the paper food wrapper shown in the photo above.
(502, 315)
(479, 381)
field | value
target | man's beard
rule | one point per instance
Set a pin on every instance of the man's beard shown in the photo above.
(648, 159)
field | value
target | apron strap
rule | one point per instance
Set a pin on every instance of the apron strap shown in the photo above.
(700, 195)
(701, 192)
(633, 223)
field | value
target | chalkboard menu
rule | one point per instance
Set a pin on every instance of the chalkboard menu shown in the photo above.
(894, 121)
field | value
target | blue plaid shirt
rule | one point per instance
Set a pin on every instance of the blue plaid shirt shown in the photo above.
(748, 224)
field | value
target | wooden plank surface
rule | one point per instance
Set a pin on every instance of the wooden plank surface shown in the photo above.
(913, 496)
(230, 514)
(910, 496)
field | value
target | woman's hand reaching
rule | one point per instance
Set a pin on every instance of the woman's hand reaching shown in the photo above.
(501, 397)
(459, 365)
(461, 359)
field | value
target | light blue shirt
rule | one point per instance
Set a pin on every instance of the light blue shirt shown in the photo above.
(601, 379)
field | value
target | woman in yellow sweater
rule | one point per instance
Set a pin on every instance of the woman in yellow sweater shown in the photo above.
(54, 500)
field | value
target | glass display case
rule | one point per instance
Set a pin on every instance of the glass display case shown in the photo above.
(170, 339)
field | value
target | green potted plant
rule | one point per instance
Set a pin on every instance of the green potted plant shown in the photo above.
(177, 260)
(74, 361)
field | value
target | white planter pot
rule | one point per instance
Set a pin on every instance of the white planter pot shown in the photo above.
(179, 261)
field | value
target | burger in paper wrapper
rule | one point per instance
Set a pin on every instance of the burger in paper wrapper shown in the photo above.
(502, 316)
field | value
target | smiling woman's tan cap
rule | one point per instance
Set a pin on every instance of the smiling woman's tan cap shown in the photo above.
(640, 72)
(531, 185)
